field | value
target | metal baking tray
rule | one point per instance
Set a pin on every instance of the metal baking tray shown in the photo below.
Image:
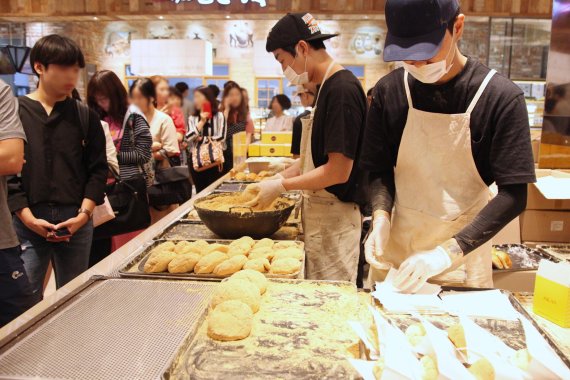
(107, 329)
(510, 332)
(299, 334)
(195, 230)
(561, 251)
(523, 257)
(135, 267)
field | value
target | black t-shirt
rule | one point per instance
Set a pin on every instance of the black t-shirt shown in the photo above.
(297, 132)
(500, 133)
(338, 127)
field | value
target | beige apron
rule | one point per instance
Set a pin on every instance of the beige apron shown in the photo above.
(438, 192)
(331, 227)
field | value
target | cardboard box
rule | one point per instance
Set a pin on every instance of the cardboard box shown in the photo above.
(254, 150)
(277, 137)
(551, 192)
(551, 226)
(275, 150)
(511, 234)
(552, 292)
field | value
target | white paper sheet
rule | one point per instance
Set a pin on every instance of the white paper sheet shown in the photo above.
(449, 366)
(545, 363)
(362, 333)
(485, 304)
(425, 301)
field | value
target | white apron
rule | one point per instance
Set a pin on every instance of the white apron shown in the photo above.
(331, 227)
(438, 192)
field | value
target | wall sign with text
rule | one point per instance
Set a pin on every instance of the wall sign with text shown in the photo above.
(262, 3)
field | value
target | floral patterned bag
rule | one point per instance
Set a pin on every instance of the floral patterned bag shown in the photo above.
(207, 154)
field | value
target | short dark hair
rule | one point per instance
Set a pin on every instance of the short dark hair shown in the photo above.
(451, 22)
(173, 91)
(283, 100)
(107, 83)
(317, 45)
(209, 94)
(56, 50)
(146, 87)
(182, 87)
(215, 90)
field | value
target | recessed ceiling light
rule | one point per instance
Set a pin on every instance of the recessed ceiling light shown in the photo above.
(95, 18)
(161, 17)
(228, 16)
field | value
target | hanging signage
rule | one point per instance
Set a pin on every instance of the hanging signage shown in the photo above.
(262, 3)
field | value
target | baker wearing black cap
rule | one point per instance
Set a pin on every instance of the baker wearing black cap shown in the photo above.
(328, 168)
(439, 132)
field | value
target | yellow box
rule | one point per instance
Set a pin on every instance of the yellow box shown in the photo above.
(276, 137)
(254, 150)
(275, 150)
(552, 298)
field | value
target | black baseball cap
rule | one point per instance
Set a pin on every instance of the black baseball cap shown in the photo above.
(292, 28)
(416, 28)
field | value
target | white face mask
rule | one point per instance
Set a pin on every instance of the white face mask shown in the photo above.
(432, 72)
(294, 78)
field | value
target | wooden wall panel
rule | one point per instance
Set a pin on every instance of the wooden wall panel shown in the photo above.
(110, 8)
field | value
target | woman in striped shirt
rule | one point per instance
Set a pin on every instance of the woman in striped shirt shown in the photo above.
(131, 136)
(201, 125)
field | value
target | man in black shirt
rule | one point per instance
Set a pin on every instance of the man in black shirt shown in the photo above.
(65, 171)
(306, 93)
(439, 132)
(328, 168)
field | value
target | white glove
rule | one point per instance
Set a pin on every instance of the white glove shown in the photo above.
(267, 192)
(276, 176)
(376, 243)
(417, 269)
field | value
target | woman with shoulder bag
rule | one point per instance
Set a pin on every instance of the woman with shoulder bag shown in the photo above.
(165, 150)
(132, 140)
(207, 139)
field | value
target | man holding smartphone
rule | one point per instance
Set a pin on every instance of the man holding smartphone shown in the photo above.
(65, 171)
(15, 291)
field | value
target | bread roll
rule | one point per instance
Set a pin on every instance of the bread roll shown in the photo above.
(261, 253)
(240, 290)
(429, 368)
(238, 250)
(266, 242)
(218, 247)
(158, 263)
(285, 266)
(183, 247)
(207, 263)
(244, 239)
(457, 336)
(260, 265)
(252, 276)
(240, 176)
(284, 244)
(230, 266)
(229, 321)
(292, 252)
(415, 333)
(183, 263)
(482, 369)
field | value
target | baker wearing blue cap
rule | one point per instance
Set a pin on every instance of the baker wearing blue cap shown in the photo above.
(327, 171)
(439, 132)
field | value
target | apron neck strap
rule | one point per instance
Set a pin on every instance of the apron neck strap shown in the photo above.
(480, 91)
(327, 74)
(407, 87)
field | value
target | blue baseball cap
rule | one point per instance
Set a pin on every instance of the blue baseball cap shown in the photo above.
(416, 28)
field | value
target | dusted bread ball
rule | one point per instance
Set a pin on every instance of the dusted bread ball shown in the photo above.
(231, 320)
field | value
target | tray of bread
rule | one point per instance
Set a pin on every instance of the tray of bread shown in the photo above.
(273, 329)
(467, 341)
(518, 257)
(190, 229)
(249, 176)
(214, 260)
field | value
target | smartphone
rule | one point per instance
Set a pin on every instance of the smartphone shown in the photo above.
(62, 233)
(207, 107)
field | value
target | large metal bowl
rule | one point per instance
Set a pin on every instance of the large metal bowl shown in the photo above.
(243, 221)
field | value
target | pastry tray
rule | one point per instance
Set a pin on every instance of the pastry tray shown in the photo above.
(510, 332)
(135, 267)
(186, 229)
(561, 251)
(109, 328)
(301, 332)
(523, 257)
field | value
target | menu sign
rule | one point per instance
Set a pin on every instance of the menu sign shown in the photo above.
(262, 3)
